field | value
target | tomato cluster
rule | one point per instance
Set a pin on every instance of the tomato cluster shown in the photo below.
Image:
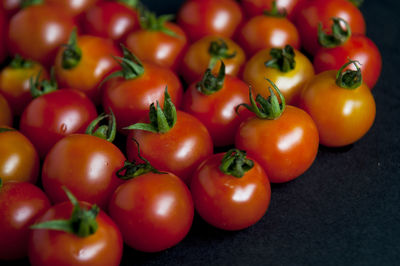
(207, 111)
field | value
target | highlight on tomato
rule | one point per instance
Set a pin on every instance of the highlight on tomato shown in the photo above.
(254, 8)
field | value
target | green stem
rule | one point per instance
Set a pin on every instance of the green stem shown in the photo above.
(1, 182)
(235, 163)
(39, 88)
(129, 3)
(107, 132)
(149, 21)
(72, 53)
(275, 12)
(338, 36)
(357, 3)
(4, 129)
(282, 59)
(210, 83)
(219, 50)
(28, 3)
(19, 62)
(349, 79)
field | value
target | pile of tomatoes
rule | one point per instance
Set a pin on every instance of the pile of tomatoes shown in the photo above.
(207, 109)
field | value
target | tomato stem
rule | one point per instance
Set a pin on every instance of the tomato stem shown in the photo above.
(72, 54)
(19, 62)
(275, 12)
(283, 59)
(235, 163)
(357, 3)
(130, 3)
(149, 21)
(39, 88)
(5, 129)
(210, 83)
(28, 3)
(1, 182)
(349, 79)
(338, 36)
(107, 132)
(219, 50)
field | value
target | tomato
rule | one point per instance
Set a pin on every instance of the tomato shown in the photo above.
(37, 31)
(85, 69)
(321, 11)
(215, 105)
(276, 138)
(209, 17)
(267, 31)
(112, 20)
(153, 211)
(14, 82)
(10, 7)
(19, 160)
(290, 81)
(6, 116)
(208, 51)
(342, 115)
(50, 117)
(3, 34)
(73, 8)
(100, 245)
(227, 200)
(256, 7)
(159, 42)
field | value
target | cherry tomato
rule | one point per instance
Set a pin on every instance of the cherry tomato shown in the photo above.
(153, 211)
(256, 7)
(50, 117)
(50, 247)
(209, 17)
(199, 54)
(342, 115)
(19, 160)
(37, 31)
(226, 201)
(321, 11)
(6, 116)
(21, 204)
(3, 34)
(86, 71)
(10, 7)
(290, 83)
(73, 8)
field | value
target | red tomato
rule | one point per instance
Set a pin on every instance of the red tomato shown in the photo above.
(50, 117)
(209, 17)
(73, 7)
(153, 211)
(6, 116)
(86, 71)
(10, 7)
(256, 7)
(19, 160)
(37, 31)
(314, 12)
(3, 34)
(50, 247)
(20, 205)
(226, 201)
(112, 20)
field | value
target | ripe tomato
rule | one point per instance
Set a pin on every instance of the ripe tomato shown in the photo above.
(267, 31)
(19, 160)
(3, 34)
(342, 115)
(10, 7)
(209, 17)
(256, 7)
(6, 116)
(73, 8)
(50, 117)
(14, 82)
(321, 11)
(112, 20)
(207, 52)
(100, 245)
(226, 200)
(37, 31)
(276, 138)
(84, 63)
(21, 204)
(290, 81)
(153, 211)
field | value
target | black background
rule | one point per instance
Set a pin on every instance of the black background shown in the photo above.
(345, 210)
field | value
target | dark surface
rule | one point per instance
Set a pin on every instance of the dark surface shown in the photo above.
(345, 210)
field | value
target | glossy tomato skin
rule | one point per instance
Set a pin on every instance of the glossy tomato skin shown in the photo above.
(265, 32)
(110, 20)
(50, 117)
(277, 144)
(157, 47)
(50, 247)
(342, 116)
(314, 12)
(229, 202)
(92, 178)
(153, 211)
(14, 85)
(21, 204)
(178, 151)
(289, 83)
(254, 8)
(130, 99)
(359, 48)
(74, 8)
(197, 58)
(95, 64)
(36, 32)
(6, 116)
(217, 111)
(200, 18)
(19, 160)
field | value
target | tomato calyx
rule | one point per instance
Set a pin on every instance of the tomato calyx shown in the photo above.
(107, 132)
(210, 83)
(235, 163)
(275, 12)
(149, 21)
(269, 108)
(349, 79)
(39, 88)
(283, 59)
(338, 36)
(161, 120)
(5, 129)
(130, 3)
(28, 3)
(219, 50)
(357, 3)
(72, 54)
(82, 222)
(18, 62)
(1, 182)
